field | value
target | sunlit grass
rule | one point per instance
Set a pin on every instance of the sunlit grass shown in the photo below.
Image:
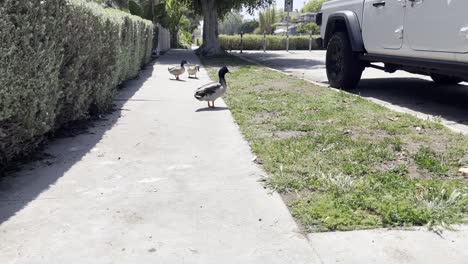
(347, 163)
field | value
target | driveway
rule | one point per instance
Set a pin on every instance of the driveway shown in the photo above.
(400, 91)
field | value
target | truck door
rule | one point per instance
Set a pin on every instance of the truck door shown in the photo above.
(437, 25)
(383, 24)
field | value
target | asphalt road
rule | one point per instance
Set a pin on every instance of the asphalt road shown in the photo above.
(400, 91)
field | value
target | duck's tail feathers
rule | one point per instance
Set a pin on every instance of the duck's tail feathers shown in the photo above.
(199, 95)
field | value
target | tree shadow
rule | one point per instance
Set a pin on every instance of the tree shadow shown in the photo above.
(424, 96)
(414, 93)
(282, 63)
(18, 189)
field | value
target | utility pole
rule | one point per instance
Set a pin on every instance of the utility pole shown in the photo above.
(288, 7)
(287, 32)
(152, 11)
(241, 41)
(155, 27)
(310, 41)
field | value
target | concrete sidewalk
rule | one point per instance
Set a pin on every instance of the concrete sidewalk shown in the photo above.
(162, 180)
(165, 180)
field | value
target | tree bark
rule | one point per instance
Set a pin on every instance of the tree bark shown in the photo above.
(174, 40)
(211, 45)
(155, 25)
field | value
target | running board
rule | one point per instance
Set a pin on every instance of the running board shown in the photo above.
(454, 67)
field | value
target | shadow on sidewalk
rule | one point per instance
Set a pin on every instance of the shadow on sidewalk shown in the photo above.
(206, 109)
(19, 188)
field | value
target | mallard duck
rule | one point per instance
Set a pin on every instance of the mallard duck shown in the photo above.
(212, 91)
(192, 70)
(178, 70)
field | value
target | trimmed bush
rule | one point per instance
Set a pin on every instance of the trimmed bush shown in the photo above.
(59, 62)
(255, 42)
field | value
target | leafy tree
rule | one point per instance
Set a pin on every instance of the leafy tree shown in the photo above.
(194, 20)
(307, 28)
(231, 24)
(313, 6)
(169, 14)
(248, 27)
(267, 19)
(212, 10)
(135, 8)
(281, 15)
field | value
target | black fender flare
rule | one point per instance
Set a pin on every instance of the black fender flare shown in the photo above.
(353, 29)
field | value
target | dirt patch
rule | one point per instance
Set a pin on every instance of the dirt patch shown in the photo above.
(288, 134)
(285, 85)
(264, 117)
(432, 139)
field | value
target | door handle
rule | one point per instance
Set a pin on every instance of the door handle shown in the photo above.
(464, 32)
(380, 3)
(416, 2)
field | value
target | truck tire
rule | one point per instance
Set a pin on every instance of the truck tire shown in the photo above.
(344, 69)
(445, 79)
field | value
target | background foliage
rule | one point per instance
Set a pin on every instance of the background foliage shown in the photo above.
(61, 61)
(231, 24)
(255, 42)
(266, 20)
(313, 6)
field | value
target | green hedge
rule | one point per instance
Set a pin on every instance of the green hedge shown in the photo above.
(255, 42)
(61, 61)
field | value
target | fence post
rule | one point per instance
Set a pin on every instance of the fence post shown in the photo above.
(264, 41)
(310, 41)
(241, 42)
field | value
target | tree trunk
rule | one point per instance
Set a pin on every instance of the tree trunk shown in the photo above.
(211, 45)
(174, 40)
(155, 26)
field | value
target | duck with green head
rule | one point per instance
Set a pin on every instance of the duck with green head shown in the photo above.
(212, 91)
